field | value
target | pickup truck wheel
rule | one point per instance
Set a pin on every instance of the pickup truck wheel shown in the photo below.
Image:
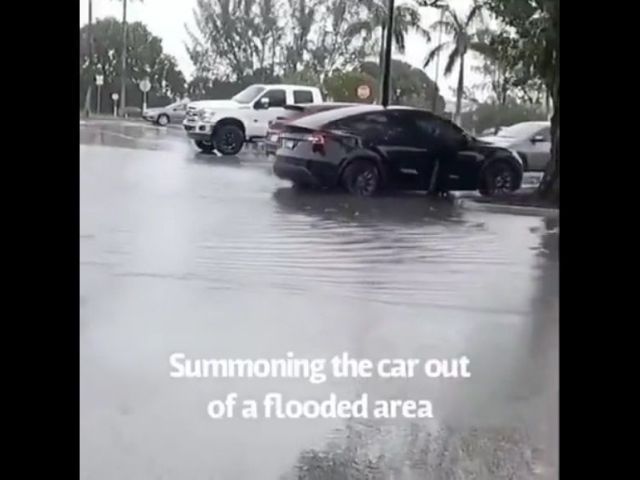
(205, 147)
(228, 139)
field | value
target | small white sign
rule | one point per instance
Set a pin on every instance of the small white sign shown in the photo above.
(363, 92)
(115, 97)
(99, 80)
(145, 85)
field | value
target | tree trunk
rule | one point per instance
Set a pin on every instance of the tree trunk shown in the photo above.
(547, 102)
(550, 185)
(87, 102)
(87, 98)
(123, 67)
(459, 92)
(503, 88)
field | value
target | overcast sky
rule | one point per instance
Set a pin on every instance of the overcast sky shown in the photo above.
(166, 19)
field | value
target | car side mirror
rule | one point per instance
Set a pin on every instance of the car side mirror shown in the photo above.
(263, 103)
(537, 139)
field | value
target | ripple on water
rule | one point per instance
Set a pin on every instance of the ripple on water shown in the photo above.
(427, 258)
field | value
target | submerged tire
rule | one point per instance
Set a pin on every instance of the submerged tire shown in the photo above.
(362, 178)
(499, 177)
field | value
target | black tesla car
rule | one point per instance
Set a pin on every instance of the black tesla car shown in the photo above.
(368, 148)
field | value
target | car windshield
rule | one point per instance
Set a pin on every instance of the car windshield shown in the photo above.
(175, 104)
(248, 94)
(520, 130)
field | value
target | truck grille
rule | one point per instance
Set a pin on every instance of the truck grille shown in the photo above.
(192, 113)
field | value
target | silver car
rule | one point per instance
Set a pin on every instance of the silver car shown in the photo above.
(532, 141)
(173, 113)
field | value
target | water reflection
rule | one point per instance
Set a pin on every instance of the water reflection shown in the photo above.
(405, 208)
(113, 134)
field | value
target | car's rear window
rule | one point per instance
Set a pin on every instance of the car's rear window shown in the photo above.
(319, 119)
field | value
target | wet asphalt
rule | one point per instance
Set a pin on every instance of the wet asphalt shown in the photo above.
(215, 257)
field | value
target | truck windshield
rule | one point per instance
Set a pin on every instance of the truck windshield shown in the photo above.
(248, 94)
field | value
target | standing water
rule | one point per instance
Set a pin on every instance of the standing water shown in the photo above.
(216, 258)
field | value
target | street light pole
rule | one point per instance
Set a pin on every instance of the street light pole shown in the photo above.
(123, 66)
(388, 45)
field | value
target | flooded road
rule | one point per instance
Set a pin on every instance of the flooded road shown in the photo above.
(215, 257)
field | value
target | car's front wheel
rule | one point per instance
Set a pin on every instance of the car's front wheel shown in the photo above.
(228, 139)
(499, 177)
(362, 178)
(205, 147)
(163, 120)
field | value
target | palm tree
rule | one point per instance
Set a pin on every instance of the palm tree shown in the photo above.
(463, 40)
(494, 66)
(406, 18)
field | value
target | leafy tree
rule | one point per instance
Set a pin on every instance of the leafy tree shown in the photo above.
(236, 38)
(145, 59)
(301, 77)
(336, 44)
(506, 79)
(303, 15)
(342, 86)
(206, 88)
(535, 27)
(463, 37)
(409, 85)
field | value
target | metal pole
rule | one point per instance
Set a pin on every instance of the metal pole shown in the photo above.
(123, 66)
(98, 109)
(383, 35)
(387, 55)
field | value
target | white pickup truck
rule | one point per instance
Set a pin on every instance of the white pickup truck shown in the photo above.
(225, 125)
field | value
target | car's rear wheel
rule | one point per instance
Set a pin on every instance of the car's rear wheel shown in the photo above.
(228, 139)
(362, 178)
(205, 147)
(498, 178)
(163, 120)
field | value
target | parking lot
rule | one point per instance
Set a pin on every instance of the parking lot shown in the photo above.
(214, 256)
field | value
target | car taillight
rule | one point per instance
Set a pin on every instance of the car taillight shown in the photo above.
(317, 139)
(317, 142)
